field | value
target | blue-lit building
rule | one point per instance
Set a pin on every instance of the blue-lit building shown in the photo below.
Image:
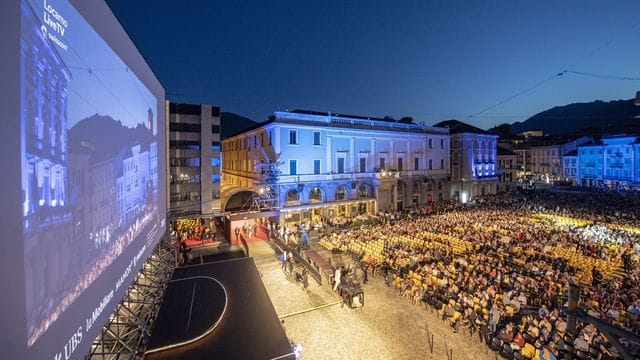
(546, 154)
(46, 210)
(612, 162)
(474, 168)
(570, 167)
(324, 164)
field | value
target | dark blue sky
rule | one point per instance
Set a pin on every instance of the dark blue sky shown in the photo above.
(431, 60)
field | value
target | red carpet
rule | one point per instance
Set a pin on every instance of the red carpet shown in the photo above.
(260, 235)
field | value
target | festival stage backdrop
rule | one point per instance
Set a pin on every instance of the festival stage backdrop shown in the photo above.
(92, 189)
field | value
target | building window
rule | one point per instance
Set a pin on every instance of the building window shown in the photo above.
(430, 164)
(382, 163)
(293, 167)
(363, 191)
(430, 143)
(261, 139)
(315, 195)
(215, 178)
(316, 138)
(316, 167)
(441, 143)
(340, 165)
(416, 164)
(441, 164)
(400, 164)
(215, 161)
(293, 137)
(293, 197)
(269, 137)
(363, 164)
(341, 193)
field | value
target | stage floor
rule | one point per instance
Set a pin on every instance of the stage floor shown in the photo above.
(228, 303)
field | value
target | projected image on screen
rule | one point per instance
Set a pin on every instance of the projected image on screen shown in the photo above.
(89, 158)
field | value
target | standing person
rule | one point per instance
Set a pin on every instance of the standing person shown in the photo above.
(495, 318)
(305, 279)
(185, 251)
(283, 260)
(365, 270)
(336, 279)
(290, 260)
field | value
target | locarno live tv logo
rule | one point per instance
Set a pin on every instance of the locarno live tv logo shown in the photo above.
(54, 25)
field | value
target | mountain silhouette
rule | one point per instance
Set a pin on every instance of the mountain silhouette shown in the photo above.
(106, 137)
(231, 123)
(596, 116)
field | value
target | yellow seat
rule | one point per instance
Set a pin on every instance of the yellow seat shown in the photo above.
(456, 316)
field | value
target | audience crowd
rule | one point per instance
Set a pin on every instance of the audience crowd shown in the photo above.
(501, 267)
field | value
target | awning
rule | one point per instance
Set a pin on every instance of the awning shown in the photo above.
(325, 204)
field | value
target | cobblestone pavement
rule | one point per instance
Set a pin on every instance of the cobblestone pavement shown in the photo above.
(387, 327)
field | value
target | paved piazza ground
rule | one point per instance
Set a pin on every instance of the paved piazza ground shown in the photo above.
(387, 327)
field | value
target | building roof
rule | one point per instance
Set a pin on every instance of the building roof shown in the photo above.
(190, 109)
(592, 143)
(504, 151)
(557, 140)
(322, 113)
(319, 118)
(572, 153)
(458, 127)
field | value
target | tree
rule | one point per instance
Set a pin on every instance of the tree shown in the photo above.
(502, 130)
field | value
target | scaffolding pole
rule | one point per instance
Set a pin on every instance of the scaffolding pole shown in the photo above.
(127, 331)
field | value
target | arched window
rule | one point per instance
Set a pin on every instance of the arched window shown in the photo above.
(364, 191)
(315, 196)
(401, 188)
(293, 198)
(341, 193)
(430, 185)
(416, 188)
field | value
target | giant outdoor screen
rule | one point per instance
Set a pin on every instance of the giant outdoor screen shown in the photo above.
(84, 193)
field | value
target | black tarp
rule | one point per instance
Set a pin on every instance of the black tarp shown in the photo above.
(248, 329)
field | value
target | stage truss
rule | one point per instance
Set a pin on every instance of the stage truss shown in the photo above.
(126, 334)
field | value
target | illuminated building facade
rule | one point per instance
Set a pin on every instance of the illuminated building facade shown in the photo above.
(546, 164)
(507, 169)
(570, 167)
(47, 214)
(474, 168)
(194, 158)
(336, 165)
(612, 162)
(135, 183)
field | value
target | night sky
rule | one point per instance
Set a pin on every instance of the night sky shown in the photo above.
(432, 60)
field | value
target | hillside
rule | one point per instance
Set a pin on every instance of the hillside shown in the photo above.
(106, 136)
(597, 116)
(231, 123)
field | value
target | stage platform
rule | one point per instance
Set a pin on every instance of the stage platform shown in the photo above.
(218, 310)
